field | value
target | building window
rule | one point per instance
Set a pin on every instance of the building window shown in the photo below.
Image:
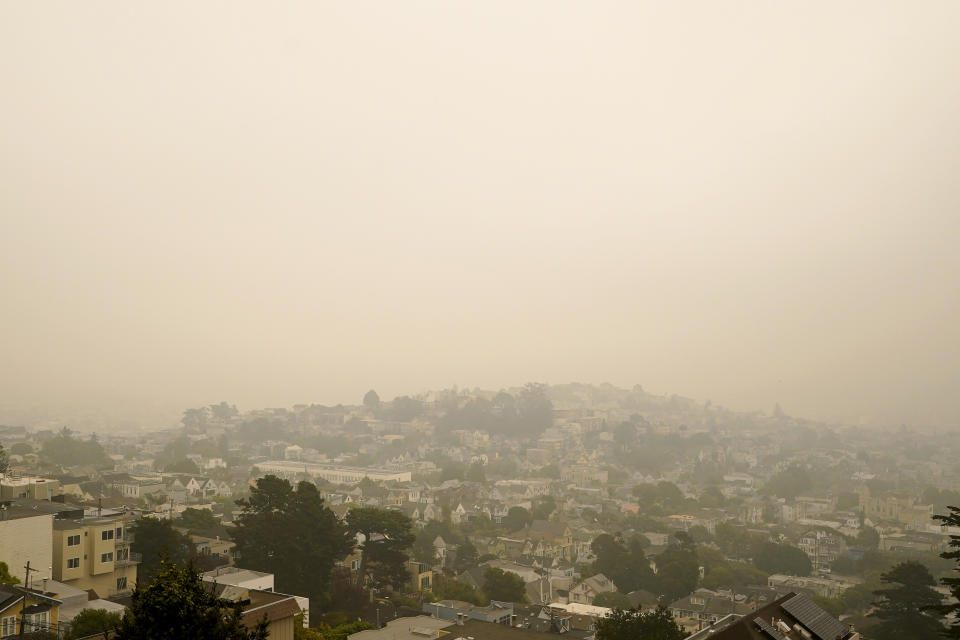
(73, 563)
(9, 627)
(121, 583)
(123, 554)
(73, 541)
(119, 533)
(107, 534)
(35, 622)
(106, 557)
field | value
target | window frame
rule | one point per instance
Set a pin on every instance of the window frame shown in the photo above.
(12, 622)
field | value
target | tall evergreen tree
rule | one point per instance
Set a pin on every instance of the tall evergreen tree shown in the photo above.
(905, 605)
(158, 542)
(292, 534)
(678, 569)
(387, 536)
(952, 610)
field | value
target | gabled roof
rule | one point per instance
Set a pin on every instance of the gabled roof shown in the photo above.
(11, 595)
(598, 583)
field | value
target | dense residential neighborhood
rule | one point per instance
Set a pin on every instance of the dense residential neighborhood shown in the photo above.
(542, 509)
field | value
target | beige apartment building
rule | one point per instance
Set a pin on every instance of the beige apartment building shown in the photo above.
(93, 552)
(28, 487)
(25, 536)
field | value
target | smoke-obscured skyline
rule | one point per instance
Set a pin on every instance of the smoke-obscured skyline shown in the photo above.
(745, 202)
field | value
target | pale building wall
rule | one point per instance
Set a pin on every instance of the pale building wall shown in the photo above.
(24, 539)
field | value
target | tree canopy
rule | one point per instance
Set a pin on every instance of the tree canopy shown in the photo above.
(952, 519)
(773, 557)
(504, 586)
(517, 518)
(178, 605)
(678, 569)
(627, 565)
(639, 625)
(5, 575)
(292, 534)
(371, 400)
(199, 521)
(905, 604)
(612, 599)
(65, 450)
(182, 465)
(90, 622)
(790, 482)
(158, 543)
(388, 536)
(467, 557)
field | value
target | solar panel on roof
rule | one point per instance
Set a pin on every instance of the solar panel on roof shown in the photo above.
(818, 621)
(768, 629)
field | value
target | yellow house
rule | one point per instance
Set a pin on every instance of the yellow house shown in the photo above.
(94, 553)
(35, 610)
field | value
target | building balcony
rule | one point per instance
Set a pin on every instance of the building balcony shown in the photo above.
(134, 559)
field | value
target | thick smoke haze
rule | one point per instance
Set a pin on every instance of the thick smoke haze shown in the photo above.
(747, 202)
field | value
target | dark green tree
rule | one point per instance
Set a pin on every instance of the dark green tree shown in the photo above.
(636, 572)
(4, 461)
(543, 507)
(868, 538)
(476, 473)
(612, 600)
(449, 589)
(789, 483)
(639, 625)
(90, 622)
(178, 605)
(20, 449)
(467, 557)
(5, 576)
(905, 604)
(158, 543)
(64, 449)
(291, 534)
(405, 408)
(194, 420)
(611, 555)
(670, 494)
(371, 400)
(952, 519)
(387, 536)
(223, 411)
(503, 586)
(183, 465)
(422, 549)
(517, 518)
(781, 558)
(534, 409)
(678, 569)
(198, 521)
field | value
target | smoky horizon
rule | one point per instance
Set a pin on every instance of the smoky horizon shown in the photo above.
(747, 204)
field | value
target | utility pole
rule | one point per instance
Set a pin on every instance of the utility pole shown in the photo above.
(26, 587)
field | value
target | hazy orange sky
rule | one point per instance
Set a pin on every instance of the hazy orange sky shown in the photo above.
(271, 203)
